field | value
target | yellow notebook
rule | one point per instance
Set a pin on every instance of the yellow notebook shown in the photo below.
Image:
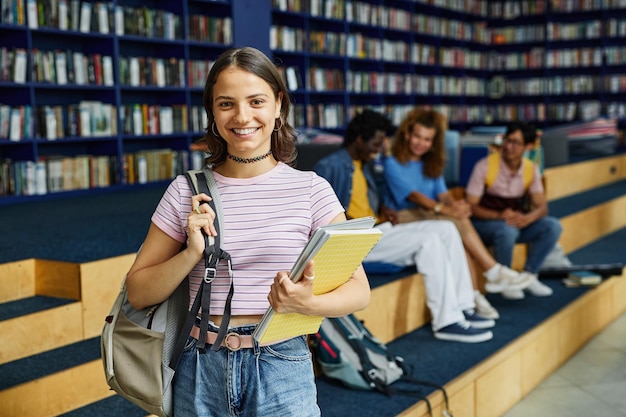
(337, 252)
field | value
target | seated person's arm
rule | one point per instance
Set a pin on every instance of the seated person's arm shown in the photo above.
(539, 207)
(388, 214)
(421, 200)
(481, 212)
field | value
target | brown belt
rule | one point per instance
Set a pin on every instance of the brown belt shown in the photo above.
(233, 341)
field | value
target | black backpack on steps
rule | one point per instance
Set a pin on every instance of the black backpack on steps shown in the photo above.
(348, 352)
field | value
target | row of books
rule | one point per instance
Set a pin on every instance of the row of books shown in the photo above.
(557, 31)
(73, 15)
(85, 119)
(13, 64)
(16, 122)
(107, 17)
(147, 119)
(321, 79)
(576, 84)
(291, 76)
(511, 9)
(153, 165)
(568, 6)
(96, 119)
(518, 34)
(139, 71)
(103, 17)
(317, 7)
(397, 83)
(71, 67)
(147, 22)
(210, 29)
(450, 28)
(197, 71)
(56, 173)
(320, 115)
(324, 79)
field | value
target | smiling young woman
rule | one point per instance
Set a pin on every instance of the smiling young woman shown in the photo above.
(251, 148)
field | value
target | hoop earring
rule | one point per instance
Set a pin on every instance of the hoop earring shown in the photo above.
(276, 129)
(217, 135)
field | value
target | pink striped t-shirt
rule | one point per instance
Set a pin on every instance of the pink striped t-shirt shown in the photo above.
(267, 221)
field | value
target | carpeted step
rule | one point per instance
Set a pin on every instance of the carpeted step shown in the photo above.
(608, 249)
(111, 406)
(24, 306)
(566, 206)
(49, 362)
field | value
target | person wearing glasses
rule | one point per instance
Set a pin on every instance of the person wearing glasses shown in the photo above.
(509, 206)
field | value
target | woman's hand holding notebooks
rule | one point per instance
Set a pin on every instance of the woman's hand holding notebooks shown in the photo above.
(337, 251)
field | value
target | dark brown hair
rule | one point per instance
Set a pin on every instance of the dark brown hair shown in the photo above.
(256, 62)
(435, 159)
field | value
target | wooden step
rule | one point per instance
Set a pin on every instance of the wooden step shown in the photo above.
(586, 226)
(571, 179)
(33, 333)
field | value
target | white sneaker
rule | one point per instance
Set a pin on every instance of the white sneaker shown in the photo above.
(513, 294)
(537, 288)
(484, 308)
(508, 279)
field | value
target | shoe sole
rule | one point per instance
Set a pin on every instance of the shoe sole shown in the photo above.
(539, 295)
(508, 297)
(488, 315)
(482, 324)
(495, 287)
(477, 338)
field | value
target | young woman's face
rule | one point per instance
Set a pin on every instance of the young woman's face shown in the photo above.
(245, 111)
(420, 140)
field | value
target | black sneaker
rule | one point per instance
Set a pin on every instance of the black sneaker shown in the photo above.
(477, 321)
(463, 332)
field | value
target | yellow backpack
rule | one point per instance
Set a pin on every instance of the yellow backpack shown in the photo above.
(493, 166)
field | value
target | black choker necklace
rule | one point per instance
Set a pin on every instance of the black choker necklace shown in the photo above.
(249, 160)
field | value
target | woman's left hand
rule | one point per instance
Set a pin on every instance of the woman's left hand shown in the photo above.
(287, 296)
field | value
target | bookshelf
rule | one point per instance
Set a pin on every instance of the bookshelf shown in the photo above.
(558, 62)
(389, 55)
(119, 83)
(102, 95)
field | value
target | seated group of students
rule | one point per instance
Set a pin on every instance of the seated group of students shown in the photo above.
(445, 238)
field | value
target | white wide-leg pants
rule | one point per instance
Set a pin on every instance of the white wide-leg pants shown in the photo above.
(435, 247)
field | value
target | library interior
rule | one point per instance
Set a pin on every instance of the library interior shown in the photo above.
(101, 106)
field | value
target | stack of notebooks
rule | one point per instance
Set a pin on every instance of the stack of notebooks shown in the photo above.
(582, 278)
(337, 251)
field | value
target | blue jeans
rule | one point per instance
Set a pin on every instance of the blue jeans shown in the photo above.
(541, 236)
(274, 380)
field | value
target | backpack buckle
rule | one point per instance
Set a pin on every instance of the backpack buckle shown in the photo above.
(209, 274)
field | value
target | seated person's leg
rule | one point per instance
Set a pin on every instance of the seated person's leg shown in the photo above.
(411, 244)
(541, 236)
(501, 277)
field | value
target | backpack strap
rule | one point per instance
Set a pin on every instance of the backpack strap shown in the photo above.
(191, 315)
(202, 181)
(493, 166)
